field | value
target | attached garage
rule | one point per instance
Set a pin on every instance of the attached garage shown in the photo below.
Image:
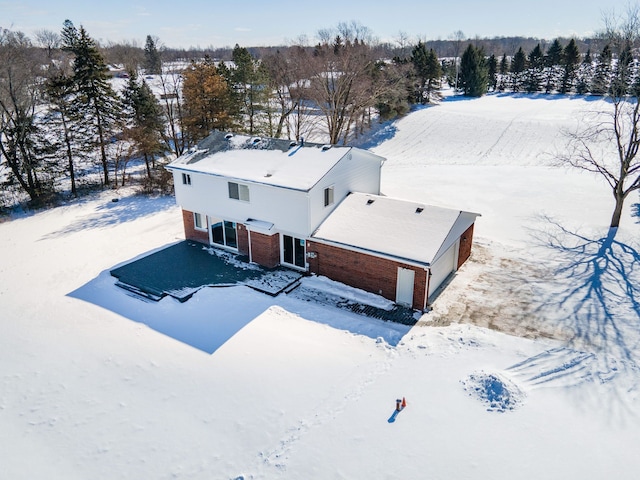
(401, 250)
(442, 268)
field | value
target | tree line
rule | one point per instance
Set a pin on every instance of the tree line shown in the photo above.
(60, 116)
(559, 69)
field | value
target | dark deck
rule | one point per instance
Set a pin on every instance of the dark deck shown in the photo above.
(182, 269)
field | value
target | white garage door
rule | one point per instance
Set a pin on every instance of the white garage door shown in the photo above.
(442, 268)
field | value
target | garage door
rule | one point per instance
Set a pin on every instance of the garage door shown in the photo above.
(442, 268)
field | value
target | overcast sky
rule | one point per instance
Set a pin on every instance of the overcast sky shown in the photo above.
(185, 23)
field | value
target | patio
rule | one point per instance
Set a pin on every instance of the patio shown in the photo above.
(182, 269)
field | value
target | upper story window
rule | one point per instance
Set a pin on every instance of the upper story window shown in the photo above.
(186, 179)
(238, 191)
(328, 196)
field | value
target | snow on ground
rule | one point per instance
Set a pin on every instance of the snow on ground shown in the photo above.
(527, 367)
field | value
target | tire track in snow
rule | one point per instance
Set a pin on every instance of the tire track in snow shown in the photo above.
(557, 367)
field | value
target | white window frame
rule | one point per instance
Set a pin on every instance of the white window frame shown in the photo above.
(198, 219)
(329, 196)
(242, 190)
(186, 179)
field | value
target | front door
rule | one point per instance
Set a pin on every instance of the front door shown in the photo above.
(404, 287)
(293, 251)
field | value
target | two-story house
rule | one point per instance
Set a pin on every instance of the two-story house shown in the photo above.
(299, 205)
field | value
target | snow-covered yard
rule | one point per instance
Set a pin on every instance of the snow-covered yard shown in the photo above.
(527, 367)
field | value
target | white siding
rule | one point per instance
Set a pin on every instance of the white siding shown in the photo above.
(296, 212)
(441, 269)
(286, 209)
(358, 171)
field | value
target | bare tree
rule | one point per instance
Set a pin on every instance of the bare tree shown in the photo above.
(288, 82)
(609, 143)
(457, 38)
(21, 143)
(171, 101)
(48, 40)
(345, 78)
(404, 44)
(128, 54)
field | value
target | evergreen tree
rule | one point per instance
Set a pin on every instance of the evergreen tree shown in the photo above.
(585, 74)
(492, 72)
(504, 72)
(146, 122)
(394, 101)
(518, 68)
(622, 76)
(249, 88)
(207, 101)
(534, 72)
(553, 62)
(570, 63)
(602, 77)
(96, 99)
(152, 58)
(66, 121)
(428, 73)
(473, 72)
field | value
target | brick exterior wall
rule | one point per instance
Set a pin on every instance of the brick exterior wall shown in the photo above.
(360, 270)
(190, 232)
(243, 239)
(466, 239)
(265, 249)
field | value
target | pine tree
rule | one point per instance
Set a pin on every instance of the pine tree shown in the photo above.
(602, 77)
(553, 62)
(585, 74)
(492, 73)
(534, 72)
(249, 82)
(473, 72)
(570, 63)
(66, 121)
(146, 121)
(152, 59)
(518, 68)
(428, 73)
(622, 76)
(95, 96)
(207, 101)
(504, 72)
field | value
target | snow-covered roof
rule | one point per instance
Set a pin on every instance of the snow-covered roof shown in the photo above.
(261, 160)
(392, 227)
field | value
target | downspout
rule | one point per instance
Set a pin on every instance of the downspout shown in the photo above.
(426, 293)
(249, 241)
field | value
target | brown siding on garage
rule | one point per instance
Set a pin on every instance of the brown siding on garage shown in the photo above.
(265, 249)
(364, 271)
(466, 239)
(190, 232)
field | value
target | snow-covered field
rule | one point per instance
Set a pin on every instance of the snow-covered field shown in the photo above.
(528, 366)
